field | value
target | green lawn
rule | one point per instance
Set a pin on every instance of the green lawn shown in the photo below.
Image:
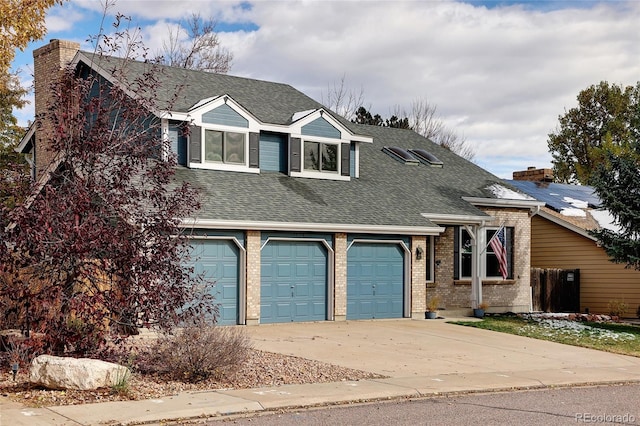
(610, 337)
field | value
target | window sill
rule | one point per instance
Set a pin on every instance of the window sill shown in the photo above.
(485, 282)
(224, 167)
(320, 175)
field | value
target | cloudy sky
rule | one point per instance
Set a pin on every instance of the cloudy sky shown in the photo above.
(499, 72)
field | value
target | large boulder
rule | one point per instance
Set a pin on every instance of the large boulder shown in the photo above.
(76, 373)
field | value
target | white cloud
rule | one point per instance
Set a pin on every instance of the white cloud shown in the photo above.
(502, 75)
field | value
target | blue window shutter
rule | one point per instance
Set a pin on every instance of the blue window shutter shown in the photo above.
(195, 144)
(295, 149)
(254, 150)
(456, 252)
(345, 159)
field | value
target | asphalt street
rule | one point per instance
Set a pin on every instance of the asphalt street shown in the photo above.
(602, 405)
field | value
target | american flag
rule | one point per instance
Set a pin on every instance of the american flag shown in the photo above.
(499, 245)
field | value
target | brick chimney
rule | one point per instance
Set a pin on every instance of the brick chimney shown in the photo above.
(534, 175)
(48, 61)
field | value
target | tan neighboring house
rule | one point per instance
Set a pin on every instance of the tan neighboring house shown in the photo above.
(560, 239)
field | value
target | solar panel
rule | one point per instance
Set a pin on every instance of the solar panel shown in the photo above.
(559, 196)
(426, 157)
(400, 154)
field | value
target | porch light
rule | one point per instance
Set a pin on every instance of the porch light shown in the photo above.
(419, 253)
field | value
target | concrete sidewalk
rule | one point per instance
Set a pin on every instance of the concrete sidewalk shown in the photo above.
(421, 358)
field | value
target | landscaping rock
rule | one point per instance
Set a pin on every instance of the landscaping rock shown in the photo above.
(75, 373)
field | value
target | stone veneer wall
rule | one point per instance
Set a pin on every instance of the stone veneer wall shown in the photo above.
(502, 296)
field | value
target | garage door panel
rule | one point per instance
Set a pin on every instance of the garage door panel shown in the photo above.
(218, 262)
(375, 281)
(282, 290)
(301, 281)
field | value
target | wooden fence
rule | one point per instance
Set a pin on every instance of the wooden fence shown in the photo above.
(555, 290)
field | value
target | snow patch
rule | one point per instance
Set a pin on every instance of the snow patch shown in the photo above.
(562, 327)
(579, 204)
(505, 193)
(605, 219)
(573, 212)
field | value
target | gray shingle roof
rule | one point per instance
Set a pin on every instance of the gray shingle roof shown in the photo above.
(387, 193)
(269, 102)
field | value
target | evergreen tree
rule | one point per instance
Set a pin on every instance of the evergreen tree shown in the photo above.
(617, 183)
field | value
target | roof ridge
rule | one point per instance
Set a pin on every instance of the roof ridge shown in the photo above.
(189, 70)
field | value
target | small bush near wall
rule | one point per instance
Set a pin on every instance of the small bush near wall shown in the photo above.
(200, 351)
(617, 308)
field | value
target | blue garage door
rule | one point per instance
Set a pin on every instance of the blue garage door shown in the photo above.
(293, 282)
(375, 281)
(218, 260)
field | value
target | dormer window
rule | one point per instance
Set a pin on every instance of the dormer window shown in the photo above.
(320, 157)
(224, 147)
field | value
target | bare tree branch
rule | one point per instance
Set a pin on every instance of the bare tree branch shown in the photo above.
(194, 44)
(342, 100)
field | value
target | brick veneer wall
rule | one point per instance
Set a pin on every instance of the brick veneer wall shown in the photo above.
(340, 277)
(48, 61)
(509, 295)
(253, 243)
(418, 278)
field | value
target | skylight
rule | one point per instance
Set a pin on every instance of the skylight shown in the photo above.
(400, 154)
(426, 157)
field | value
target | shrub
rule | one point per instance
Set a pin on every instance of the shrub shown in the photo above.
(200, 351)
(617, 308)
(21, 350)
(432, 304)
(638, 312)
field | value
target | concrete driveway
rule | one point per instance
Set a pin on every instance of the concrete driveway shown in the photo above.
(405, 348)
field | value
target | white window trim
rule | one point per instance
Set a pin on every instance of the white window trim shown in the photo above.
(430, 259)
(313, 174)
(209, 165)
(483, 255)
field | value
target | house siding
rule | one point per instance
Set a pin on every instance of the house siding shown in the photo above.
(224, 115)
(321, 127)
(273, 152)
(553, 246)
